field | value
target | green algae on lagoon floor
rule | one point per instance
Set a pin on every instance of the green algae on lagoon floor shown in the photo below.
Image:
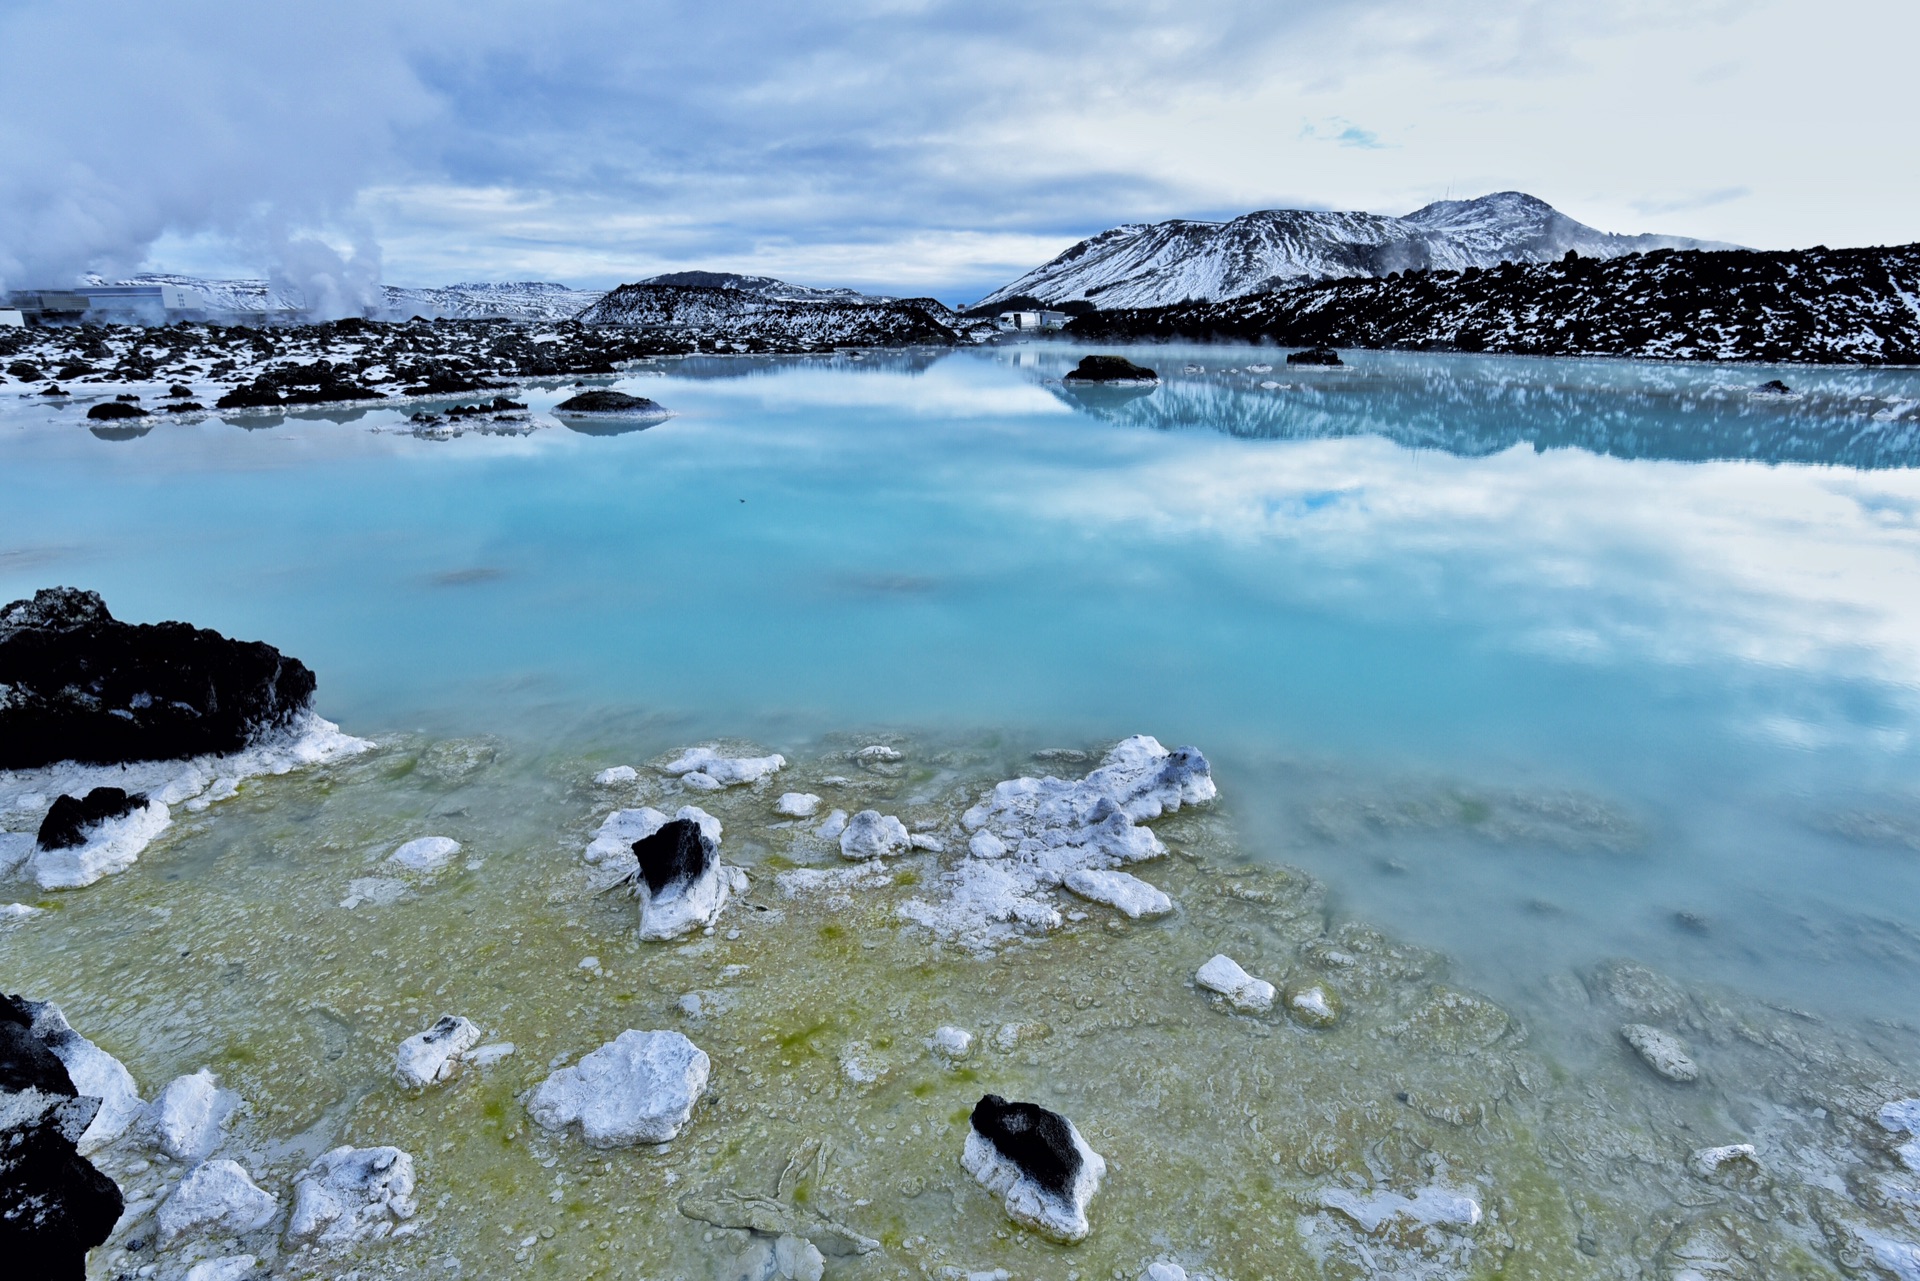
(828, 1114)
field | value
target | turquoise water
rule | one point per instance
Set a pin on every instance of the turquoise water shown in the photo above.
(1534, 662)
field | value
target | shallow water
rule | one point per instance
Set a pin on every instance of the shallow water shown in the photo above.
(1539, 665)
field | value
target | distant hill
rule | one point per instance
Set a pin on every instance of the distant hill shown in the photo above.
(762, 286)
(1163, 263)
(1830, 306)
(519, 300)
(756, 321)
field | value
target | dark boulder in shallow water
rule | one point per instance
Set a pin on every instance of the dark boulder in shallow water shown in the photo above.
(1111, 369)
(66, 825)
(678, 854)
(1036, 1140)
(1316, 356)
(109, 410)
(84, 686)
(1775, 387)
(611, 402)
(54, 1205)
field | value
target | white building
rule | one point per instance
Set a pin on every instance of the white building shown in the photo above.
(1032, 320)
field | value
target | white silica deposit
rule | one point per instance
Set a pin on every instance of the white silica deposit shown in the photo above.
(705, 769)
(216, 1196)
(427, 854)
(615, 775)
(112, 845)
(1433, 1206)
(95, 1074)
(1127, 893)
(610, 852)
(1030, 834)
(1223, 974)
(1062, 1218)
(639, 1087)
(352, 1194)
(871, 834)
(189, 1114)
(432, 1055)
(1662, 1051)
(797, 804)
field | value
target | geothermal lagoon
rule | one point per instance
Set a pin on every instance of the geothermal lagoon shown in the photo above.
(1562, 717)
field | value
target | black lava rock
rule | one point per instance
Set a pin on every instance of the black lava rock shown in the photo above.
(25, 372)
(677, 854)
(1776, 387)
(186, 407)
(1038, 1141)
(87, 687)
(54, 1205)
(249, 397)
(1110, 369)
(53, 391)
(180, 391)
(113, 410)
(66, 824)
(1316, 356)
(608, 402)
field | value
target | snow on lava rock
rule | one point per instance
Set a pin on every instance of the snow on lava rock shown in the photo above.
(189, 1113)
(702, 765)
(871, 834)
(431, 1055)
(1030, 834)
(639, 1087)
(352, 1194)
(1038, 1162)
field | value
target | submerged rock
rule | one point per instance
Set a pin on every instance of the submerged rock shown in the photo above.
(352, 1194)
(640, 1087)
(1313, 1004)
(428, 854)
(432, 1055)
(1440, 1207)
(871, 834)
(612, 403)
(85, 687)
(1036, 1160)
(951, 1042)
(1223, 974)
(189, 1114)
(782, 1258)
(1129, 894)
(1111, 370)
(1315, 356)
(217, 1196)
(54, 1205)
(1664, 1052)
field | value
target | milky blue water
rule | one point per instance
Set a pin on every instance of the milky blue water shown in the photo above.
(1538, 662)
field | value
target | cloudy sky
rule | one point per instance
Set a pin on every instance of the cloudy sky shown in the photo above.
(911, 145)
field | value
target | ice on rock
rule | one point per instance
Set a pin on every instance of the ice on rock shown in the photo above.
(1223, 974)
(109, 846)
(352, 1194)
(234, 1267)
(951, 1042)
(1664, 1052)
(428, 854)
(871, 834)
(616, 775)
(189, 1114)
(1037, 1161)
(216, 1196)
(1129, 894)
(432, 1055)
(679, 877)
(1437, 1207)
(95, 1074)
(834, 824)
(640, 1087)
(797, 804)
(708, 770)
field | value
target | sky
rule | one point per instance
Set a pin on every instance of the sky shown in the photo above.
(910, 146)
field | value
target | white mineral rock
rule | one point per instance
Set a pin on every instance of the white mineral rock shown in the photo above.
(428, 854)
(95, 1074)
(783, 1258)
(488, 1055)
(233, 1267)
(617, 774)
(1902, 1116)
(797, 804)
(1313, 1005)
(14, 913)
(1064, 1219)
(189, 1114)
(1164, 1272)
(112, 846)
(834, 824)
(1439, 1207)
(1664, 1052)
(640, 1087)
(352, 1194)
(951, 1042)
(1708, 1161)
(871, 834)
(986, 845)
(725, 771)
(612, 846)
(1131, 895)
(877, 754)
(431, 1055)
(1223, 974)
(216, 1196)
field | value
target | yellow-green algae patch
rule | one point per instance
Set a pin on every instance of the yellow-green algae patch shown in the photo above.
(227, 946)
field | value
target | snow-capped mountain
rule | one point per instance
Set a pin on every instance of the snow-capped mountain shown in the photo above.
(763, 286)
(1159, 264)
(518, 300)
